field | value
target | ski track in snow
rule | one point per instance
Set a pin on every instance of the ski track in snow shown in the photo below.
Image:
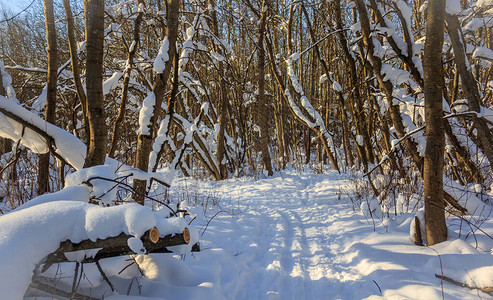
(287, 239)
(294, 236)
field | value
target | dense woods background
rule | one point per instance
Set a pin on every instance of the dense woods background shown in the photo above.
(253, 87)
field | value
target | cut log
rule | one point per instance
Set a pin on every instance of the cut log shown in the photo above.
(117, 246)
(154, 235)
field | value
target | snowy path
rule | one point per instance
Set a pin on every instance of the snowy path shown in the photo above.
(297, 237)
(285, 240)
(290, 245)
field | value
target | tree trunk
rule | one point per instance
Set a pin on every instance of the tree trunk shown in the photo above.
(72, 45)
(470, 87)
(126, 80)
(144, 141)
(94, 19)
(44, 159)
(436, 229)
(118, 246)
(262, 108)
(223, 111)
(5, 144)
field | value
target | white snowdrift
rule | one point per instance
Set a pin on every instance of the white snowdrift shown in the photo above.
(28, 235)
(78, 193)
(66, 145)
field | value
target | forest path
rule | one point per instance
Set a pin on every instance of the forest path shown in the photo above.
(289, 236)
(298, 236)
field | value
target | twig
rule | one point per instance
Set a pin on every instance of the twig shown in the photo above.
(441, 270)
(14, 159)
(207, 225)
(470, 223)
(378, 287)
(131, 189)
(104, 276)
(74, 283)
(126, 267)
(18, 14)
(137, 264)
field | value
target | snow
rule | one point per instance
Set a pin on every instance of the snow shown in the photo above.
(40, 102)
(294, 57)
(111, 83)
(453, 7)
(101, 189)
(162, 56)
(66, 145)
(483, 52)
(294, 235)
(359, 139)
(336, 86)
(46, 225)
(291, 237)
(74, 193)
(484, 3)
(7, 82)
(475, 23)
(145, 114)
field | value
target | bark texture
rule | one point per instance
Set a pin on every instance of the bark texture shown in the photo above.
(262, 108)
(436, 229)
(94, 18)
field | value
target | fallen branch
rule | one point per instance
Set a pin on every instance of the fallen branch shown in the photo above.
(50, 140)
(487, 290)
(41, 283)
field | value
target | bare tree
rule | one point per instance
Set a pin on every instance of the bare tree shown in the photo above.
(132, 50)
(262, 108)
(436, 229)
(44, 159)
(94, 18)
(144, 140)
(74, 59)
(223, 108)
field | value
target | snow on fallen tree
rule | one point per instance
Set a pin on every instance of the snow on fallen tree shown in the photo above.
(19, 124)
(32, 234)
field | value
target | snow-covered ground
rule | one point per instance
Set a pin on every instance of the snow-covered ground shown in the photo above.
(296, 236)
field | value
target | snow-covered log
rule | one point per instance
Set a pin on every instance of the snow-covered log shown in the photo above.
(31, 234)
(19, 124)
(115, 246)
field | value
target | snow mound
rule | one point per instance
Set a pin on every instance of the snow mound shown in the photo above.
(30, 234)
